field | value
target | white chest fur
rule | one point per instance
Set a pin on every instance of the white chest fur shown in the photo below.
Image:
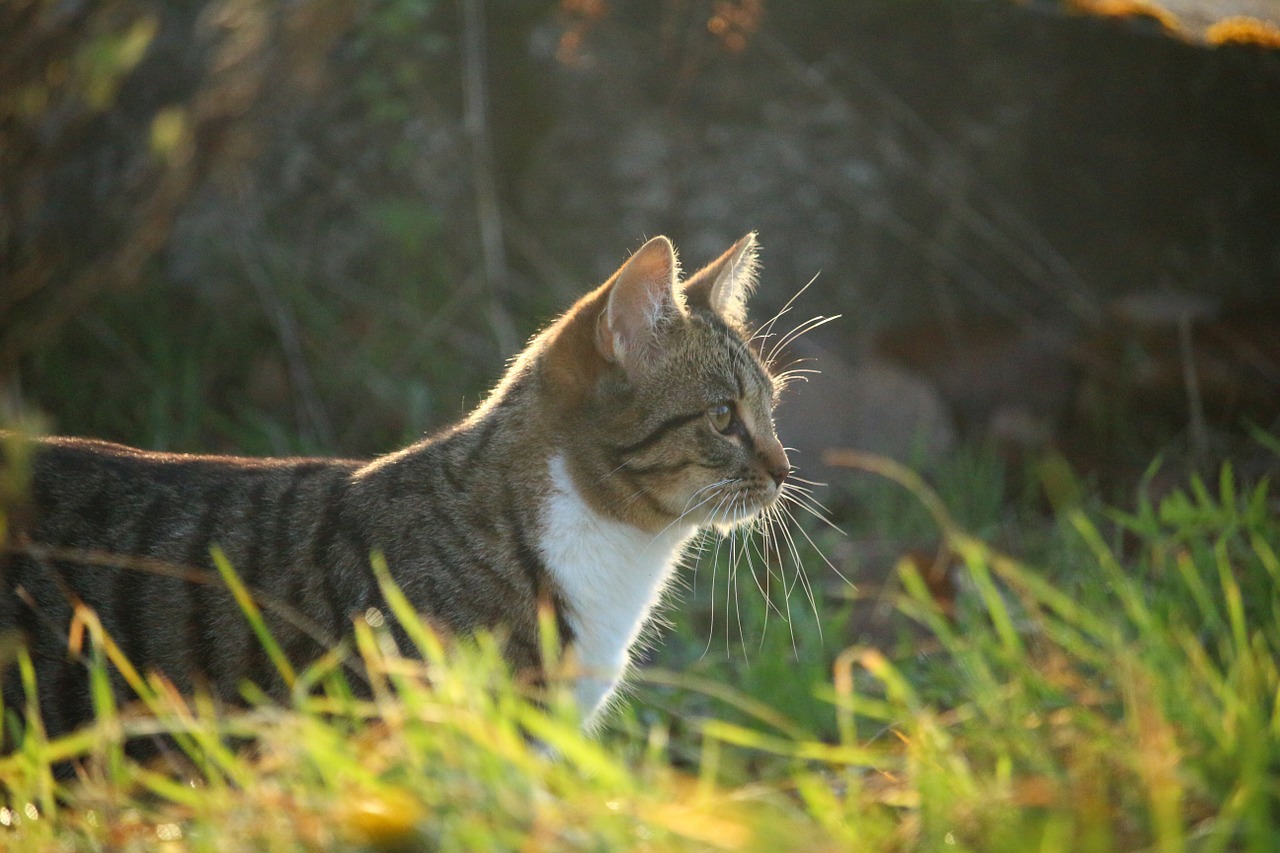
(612, 574)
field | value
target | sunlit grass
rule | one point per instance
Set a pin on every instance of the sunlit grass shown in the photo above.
(1121, 695)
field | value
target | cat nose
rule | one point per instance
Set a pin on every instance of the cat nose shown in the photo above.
(780, 474)
(773, 458)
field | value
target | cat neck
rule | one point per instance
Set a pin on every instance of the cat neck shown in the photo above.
(612, 575)
(609, 574)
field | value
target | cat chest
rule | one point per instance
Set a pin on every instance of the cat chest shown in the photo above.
(611, 574)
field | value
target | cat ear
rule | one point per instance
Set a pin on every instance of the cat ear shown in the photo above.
(641, 296)
(724, 285)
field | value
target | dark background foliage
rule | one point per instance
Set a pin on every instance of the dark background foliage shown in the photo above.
(321, 226)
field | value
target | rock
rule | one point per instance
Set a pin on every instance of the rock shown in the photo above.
(873, 406)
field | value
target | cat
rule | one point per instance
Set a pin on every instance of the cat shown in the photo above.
(637, 418)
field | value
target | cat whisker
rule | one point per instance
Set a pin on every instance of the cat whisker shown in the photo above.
(795, 334)
(609, 474)
(810, 505)
(802, 577)
(766, 330)
(785, 538)
(782, 539)
(714, 564)
(766, 538)
(749, 543)
(798, 360)
(808, 538)
(793, 366)
(775, 519)
(763, 588)
(731, 592)
(787, 378)
(798, 490)
(793, 374)
(800, 329)
(686, 510)
(755, 543)
(800, 486)
(784, 376)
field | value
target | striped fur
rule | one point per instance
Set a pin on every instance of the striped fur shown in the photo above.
(606, 436)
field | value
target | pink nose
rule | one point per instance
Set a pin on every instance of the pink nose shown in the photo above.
(775, 461)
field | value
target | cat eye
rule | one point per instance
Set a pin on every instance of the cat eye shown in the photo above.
(721, 416)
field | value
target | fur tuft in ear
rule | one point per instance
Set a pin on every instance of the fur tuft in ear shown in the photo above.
(641, 296)
(724, 285)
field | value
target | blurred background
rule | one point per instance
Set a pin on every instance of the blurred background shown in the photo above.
(321, 226)
(1051, 229)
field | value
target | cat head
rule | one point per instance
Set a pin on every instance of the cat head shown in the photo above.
(666, 409)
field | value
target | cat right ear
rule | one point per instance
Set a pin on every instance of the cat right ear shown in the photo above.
(642, 295)
(725, 284)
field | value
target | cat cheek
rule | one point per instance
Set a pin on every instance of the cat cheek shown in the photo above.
(698, 495)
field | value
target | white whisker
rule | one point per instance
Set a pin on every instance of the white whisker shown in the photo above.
(766, 330)
(715, 562)
(802, 577)
(688, 509)
(787, 588)
(795, 334)
(818, 550)
(732, 587)
(762, 549)
(812, 506)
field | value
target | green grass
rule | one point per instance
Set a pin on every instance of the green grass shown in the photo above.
(1119, 694)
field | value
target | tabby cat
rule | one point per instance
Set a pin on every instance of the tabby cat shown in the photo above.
(638, 417)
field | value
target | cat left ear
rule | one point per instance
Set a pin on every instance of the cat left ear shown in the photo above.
(641, 297)
(725, 284)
